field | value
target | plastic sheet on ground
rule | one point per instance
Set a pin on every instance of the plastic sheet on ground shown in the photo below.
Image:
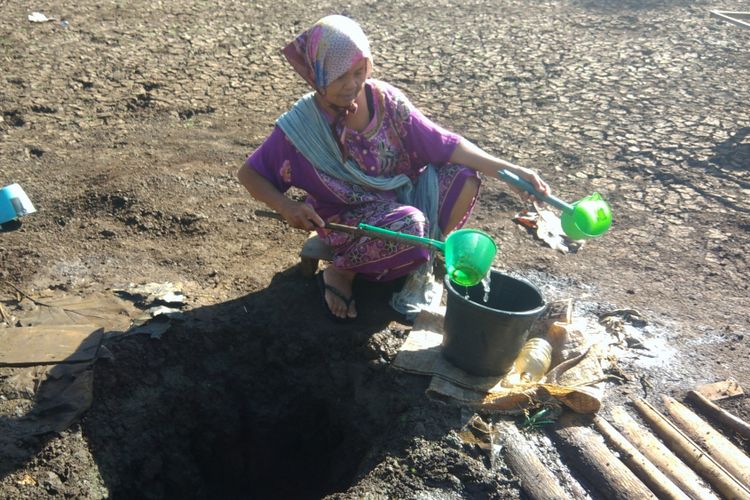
(44, 345)
(574, 380)
(61, 394)
(66, 393)
(47, 363)
(105, 311)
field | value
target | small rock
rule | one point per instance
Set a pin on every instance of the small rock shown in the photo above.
(27, 305)
(453, 440)
(51, 482)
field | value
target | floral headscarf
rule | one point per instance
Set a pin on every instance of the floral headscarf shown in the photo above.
(327, 50)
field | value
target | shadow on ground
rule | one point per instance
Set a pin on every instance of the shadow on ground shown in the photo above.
(255, 397)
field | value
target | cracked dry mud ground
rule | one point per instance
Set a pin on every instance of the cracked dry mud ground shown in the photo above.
(126, 128)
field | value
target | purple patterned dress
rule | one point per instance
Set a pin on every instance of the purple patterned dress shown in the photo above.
(398, 140)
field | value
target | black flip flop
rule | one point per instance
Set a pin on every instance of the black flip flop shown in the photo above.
(323, 287)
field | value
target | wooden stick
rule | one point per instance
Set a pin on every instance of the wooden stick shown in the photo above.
(594, 460)
(714, 411)
(720, 448)
(19, 291)
(655, 479)
(699, 460)
(537, 481)
(723, 389)
(653, 449)
(4, 315)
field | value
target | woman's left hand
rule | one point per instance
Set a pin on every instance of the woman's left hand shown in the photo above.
(535, 179)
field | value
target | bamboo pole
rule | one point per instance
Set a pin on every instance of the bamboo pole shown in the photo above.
(682, 475)
(594, 460)
(646, 471)
(537, 481)
(699, 460)
(719, 447)
(711, 410)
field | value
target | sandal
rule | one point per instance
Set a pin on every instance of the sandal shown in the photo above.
(324, 287)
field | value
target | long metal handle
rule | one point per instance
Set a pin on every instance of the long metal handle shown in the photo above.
(380, 232)
(329, 225)
(512, 178)
(367, 230)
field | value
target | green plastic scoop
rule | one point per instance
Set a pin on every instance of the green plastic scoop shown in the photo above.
(468, 252)
(588, 217)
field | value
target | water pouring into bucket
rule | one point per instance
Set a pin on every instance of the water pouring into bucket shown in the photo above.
(587, 218)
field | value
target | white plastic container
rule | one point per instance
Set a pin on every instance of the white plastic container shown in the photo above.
(14, 203)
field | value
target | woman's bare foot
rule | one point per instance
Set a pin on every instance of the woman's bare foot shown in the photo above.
(341, 280)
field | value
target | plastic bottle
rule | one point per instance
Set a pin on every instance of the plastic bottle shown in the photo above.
(532, 362)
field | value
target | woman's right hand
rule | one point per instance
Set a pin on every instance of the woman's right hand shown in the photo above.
(298, 215)
(301, 215)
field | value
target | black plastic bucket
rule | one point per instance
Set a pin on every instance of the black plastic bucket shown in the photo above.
(484, 338)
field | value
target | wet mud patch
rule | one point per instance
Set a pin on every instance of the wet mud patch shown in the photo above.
(644, 353)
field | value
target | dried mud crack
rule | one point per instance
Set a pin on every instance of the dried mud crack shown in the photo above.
(126, 125)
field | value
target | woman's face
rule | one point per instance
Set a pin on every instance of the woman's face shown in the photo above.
(343, 91)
